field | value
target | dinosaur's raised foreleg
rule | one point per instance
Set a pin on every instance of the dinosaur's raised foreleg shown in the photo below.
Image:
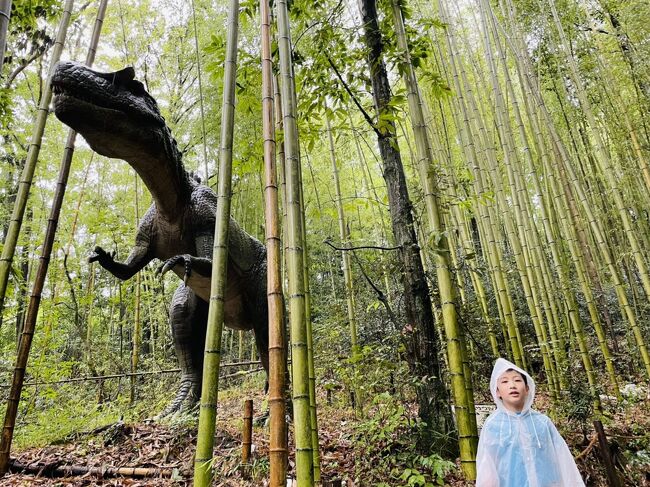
(138, 258)
(196, 272)
(188, 316)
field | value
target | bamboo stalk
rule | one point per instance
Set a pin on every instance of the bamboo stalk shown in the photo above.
(56, 470)
(247, 432)
(5, 14)
(278, 450)
(579, 260)
(27, 176)
(210, 385)
(136, 338)
(199, 77)
(517, 235)
(485, 222)
(295, 258)
(463, 400)
(313, 416)
(539, 262)
(345, 259)
(34, 304)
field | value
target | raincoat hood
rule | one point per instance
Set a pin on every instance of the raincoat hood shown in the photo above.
(500, 367)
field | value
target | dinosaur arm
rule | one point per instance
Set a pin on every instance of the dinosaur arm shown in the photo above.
(138, 258)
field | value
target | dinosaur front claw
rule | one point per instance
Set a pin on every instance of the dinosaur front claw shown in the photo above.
(169, 264)
(101, 256)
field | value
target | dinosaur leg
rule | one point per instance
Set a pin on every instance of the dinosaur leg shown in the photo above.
(188, 316)
(262, 343)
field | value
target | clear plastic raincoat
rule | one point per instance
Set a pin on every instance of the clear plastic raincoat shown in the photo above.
(522, 449)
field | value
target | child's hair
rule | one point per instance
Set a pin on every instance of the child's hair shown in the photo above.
(523, 376)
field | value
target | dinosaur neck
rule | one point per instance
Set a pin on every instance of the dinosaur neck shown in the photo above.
(166, 179)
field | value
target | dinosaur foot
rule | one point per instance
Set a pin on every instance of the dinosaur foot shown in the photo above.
(185, 400)
(262, 419)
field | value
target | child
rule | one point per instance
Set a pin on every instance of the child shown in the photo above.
(520, 447)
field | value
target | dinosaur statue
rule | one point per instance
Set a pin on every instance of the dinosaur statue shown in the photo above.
(119, 119)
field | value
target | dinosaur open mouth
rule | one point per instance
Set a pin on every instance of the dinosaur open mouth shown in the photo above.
(62, 97)
(71, 104)
(82, 113)
(82, 94)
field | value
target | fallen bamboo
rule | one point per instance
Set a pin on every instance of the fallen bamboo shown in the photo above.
(54, 469)
(586, 451)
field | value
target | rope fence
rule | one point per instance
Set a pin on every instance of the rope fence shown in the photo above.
(136, 374)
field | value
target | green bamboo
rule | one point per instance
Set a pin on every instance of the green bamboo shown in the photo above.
(136, 339)
(5, 14)
(602, 156)
(345, 237)
(540, 265)
(518, 235)
(295, 258)
(563, 168)
(606, 169)
(313, 416)
(210, 385)
(541, 148)
(485, 222)
(578, 259)
(467, 432)
(199, 77)
(278, 450)
(27, 176)
(39, 281)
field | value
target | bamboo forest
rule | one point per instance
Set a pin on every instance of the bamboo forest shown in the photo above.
(336, 243)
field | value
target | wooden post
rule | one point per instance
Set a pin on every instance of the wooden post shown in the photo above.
(613, 478)
(247, 439)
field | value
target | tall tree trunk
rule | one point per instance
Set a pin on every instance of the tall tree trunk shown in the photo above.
(419, 332)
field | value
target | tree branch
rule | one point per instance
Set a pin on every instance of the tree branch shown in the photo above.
(26, 62)
(380, 295)
(361, 247)
(367, 117)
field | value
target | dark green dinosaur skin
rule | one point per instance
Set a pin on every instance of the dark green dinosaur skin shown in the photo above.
(119, 119)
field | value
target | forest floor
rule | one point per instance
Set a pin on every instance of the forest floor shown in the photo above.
(169, 446)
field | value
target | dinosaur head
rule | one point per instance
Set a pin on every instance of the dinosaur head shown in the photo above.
(112, 111)
(119, 119)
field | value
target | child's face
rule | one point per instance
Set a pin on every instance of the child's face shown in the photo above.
(512, 390)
